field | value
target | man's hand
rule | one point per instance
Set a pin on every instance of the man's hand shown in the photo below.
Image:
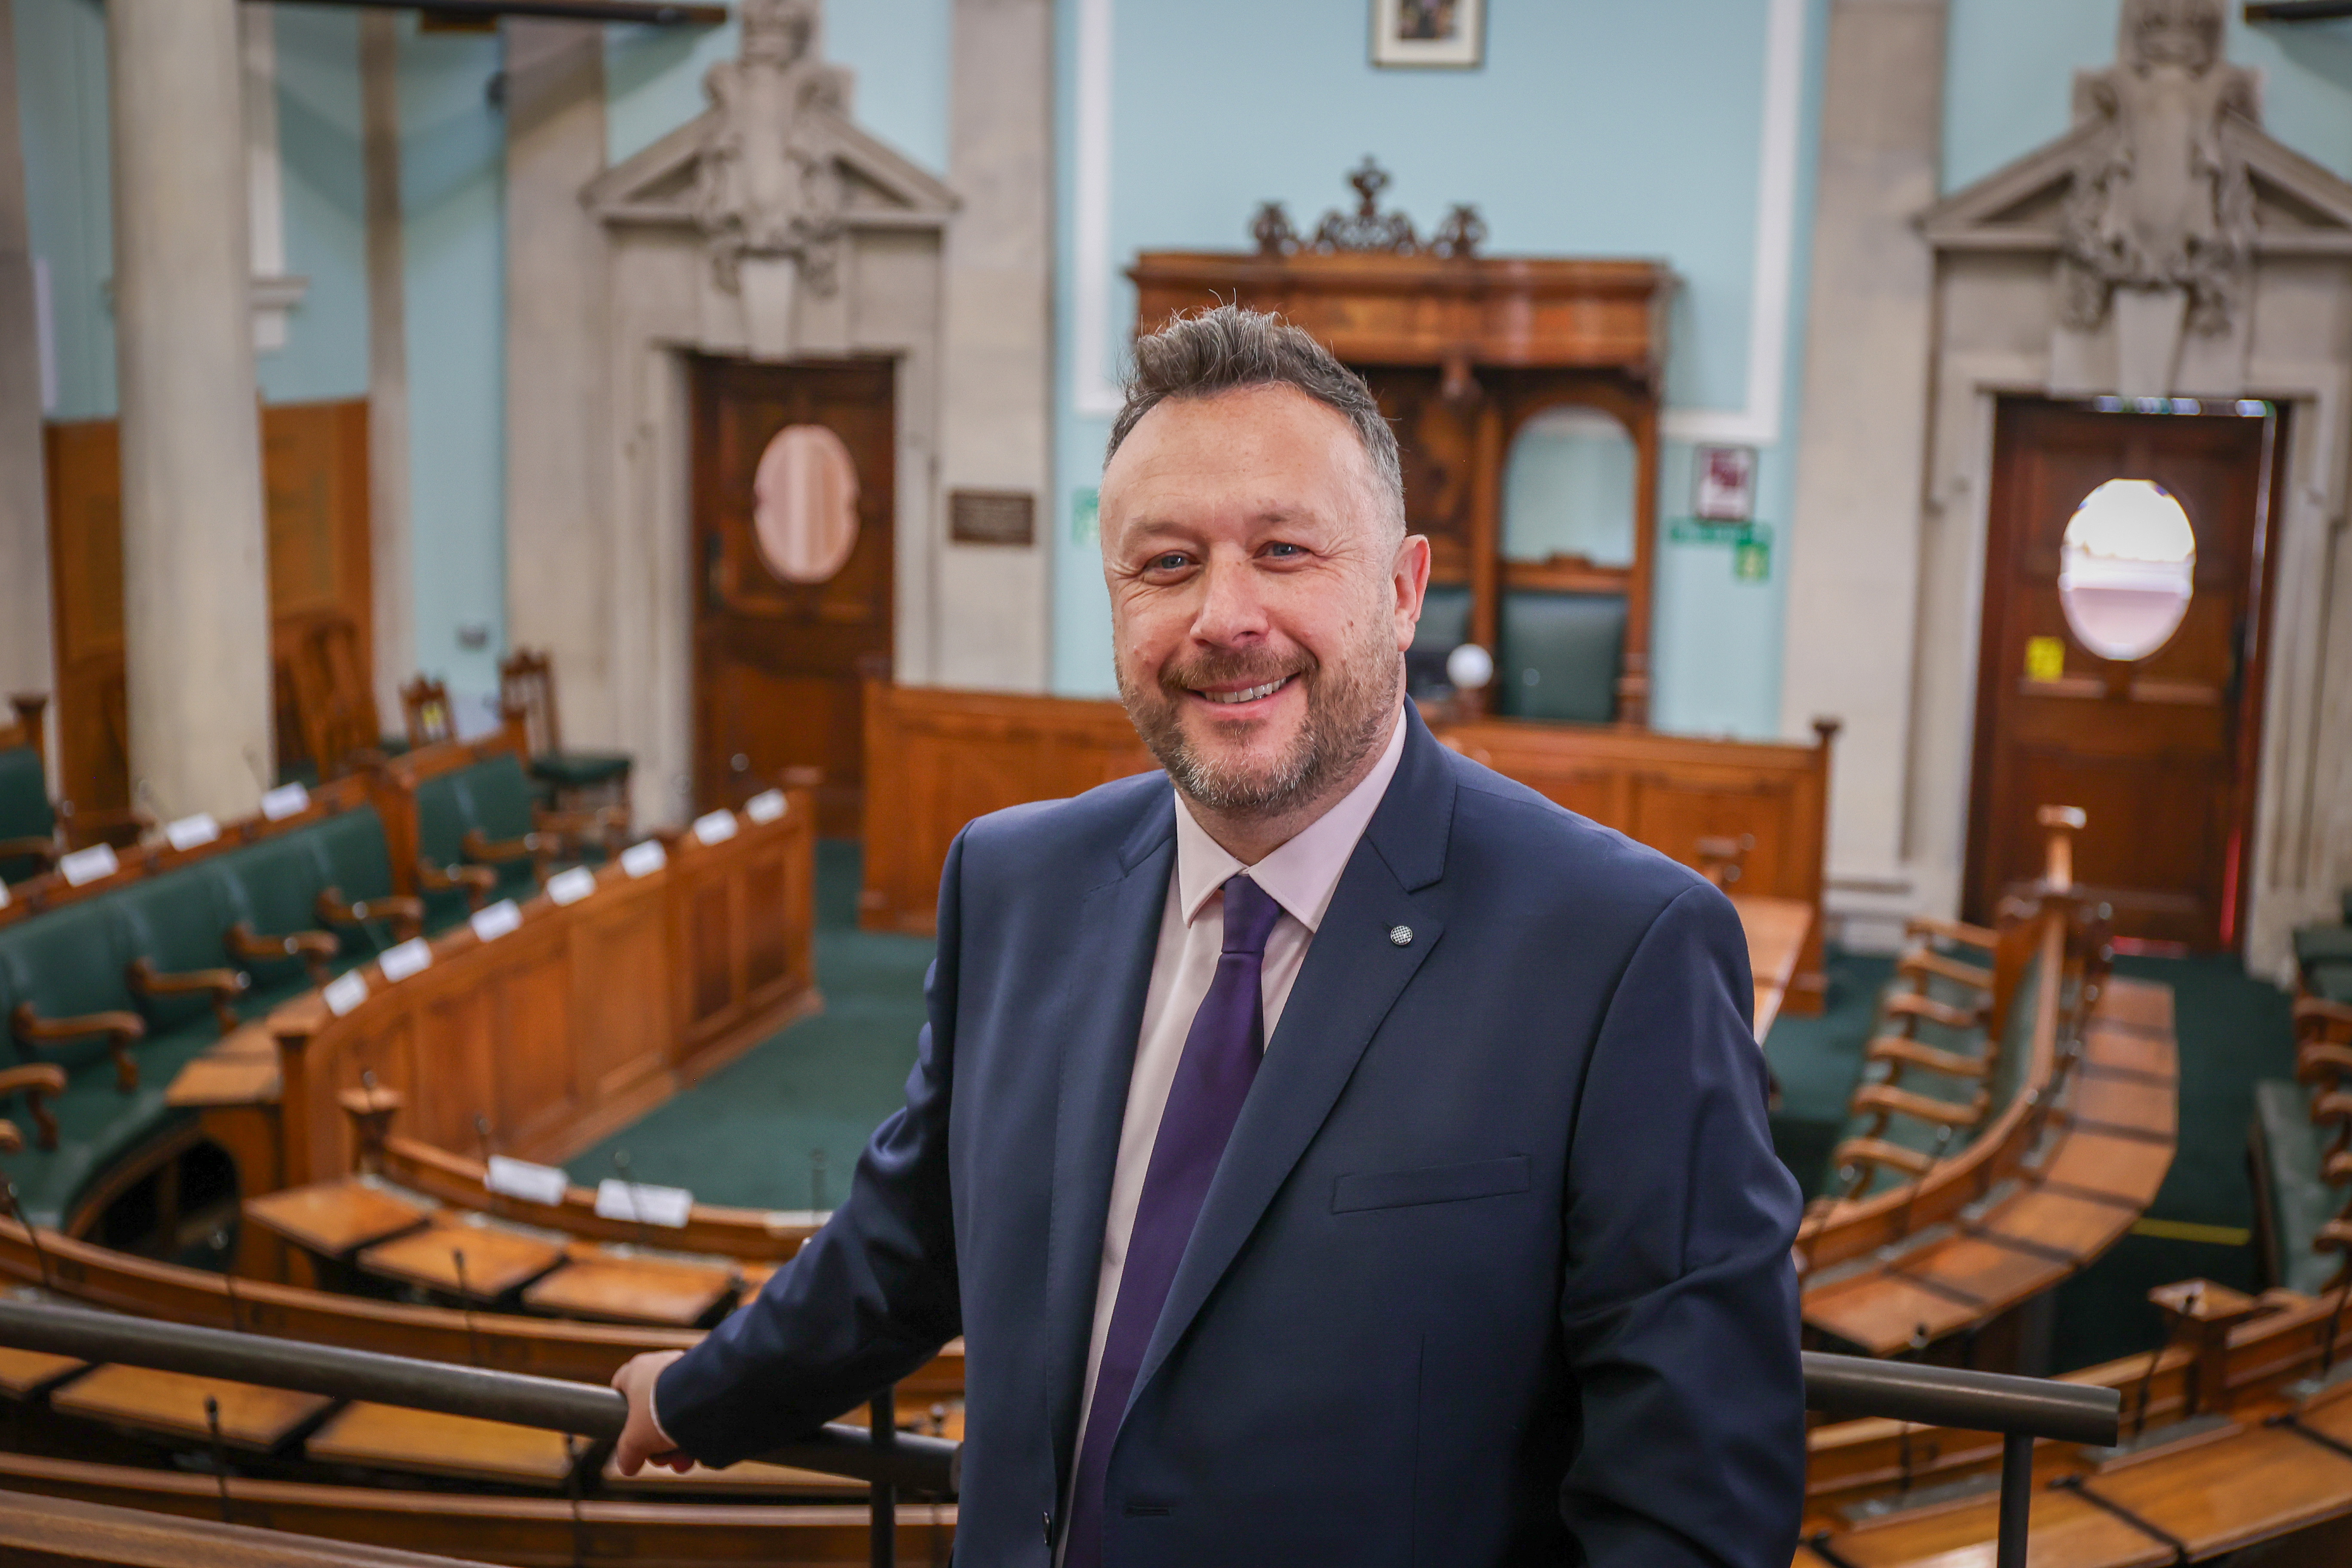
(643, 1439)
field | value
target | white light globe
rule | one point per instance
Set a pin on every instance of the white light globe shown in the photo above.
(1469, 666)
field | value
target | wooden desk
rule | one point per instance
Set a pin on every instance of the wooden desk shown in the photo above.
(1778, 930)
(748, 1478)
(173, 1402)
(426, 1441)
(30, 1371)
(335, 1219)
(496, 1261)
(616, 1289)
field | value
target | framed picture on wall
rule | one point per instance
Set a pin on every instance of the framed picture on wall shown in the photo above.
(1443, 35)
(1723, 484)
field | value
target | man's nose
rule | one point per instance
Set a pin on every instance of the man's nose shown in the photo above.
(1231, 609)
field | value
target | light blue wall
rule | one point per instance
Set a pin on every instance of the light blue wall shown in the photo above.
(325, 198)
(2011, 65)
(452, 196)
(1592, 130)
(62, 102)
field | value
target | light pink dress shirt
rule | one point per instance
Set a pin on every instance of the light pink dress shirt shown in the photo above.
(1301, 876)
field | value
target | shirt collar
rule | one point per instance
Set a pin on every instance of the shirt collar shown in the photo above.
(1302, 875)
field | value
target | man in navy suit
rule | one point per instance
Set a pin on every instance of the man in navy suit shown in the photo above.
(1343, 1155)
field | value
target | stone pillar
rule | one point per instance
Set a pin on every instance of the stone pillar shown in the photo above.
(24, 507)
(391, 580)
(995, 608)
(558, 552)
(195, 591)
(1854, 550)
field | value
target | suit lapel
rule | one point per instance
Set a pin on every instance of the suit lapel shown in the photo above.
(1107, 976)
(1353, 975)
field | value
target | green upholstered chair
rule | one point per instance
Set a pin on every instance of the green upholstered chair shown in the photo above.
(28, 823)
(270, 891)
(449, 884)
(355, 884)
(2316, 945)
(1559, 656)
(2293, 1199)
(527, 689)
(173, 930)
(64, 991)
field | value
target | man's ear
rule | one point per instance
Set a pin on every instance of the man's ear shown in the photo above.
(1409, 578)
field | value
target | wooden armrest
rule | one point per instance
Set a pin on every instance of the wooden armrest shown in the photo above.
(314, 948)
(2335, 1105)
(500, 851)
(1920, 1106)
(1914, 1004)
(1926, 960)
(474, 881)
(2335, 1235)
(37, 1080)
(2321, 1060)
(398, 910)
(45, 850)
(1878, 1151)
(120, 1028)
(2337, 1169)
(1912, 1054)
(225, 986)
(120, 826)
(1983, 938)
(2318, 1018)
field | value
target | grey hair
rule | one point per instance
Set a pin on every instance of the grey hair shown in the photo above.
(1231, 349)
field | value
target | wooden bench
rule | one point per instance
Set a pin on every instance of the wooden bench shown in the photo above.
(57, 1532)
(386, 1437)
(173, 1404)
(2068, 1205)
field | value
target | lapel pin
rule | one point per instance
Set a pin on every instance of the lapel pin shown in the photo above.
(1400, 936)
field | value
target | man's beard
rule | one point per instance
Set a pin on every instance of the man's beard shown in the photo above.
(1347, 705)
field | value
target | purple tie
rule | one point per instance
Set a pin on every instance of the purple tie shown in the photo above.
(1221, 1058)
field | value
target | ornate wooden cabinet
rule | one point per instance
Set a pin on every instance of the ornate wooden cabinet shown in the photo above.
(1463, 350)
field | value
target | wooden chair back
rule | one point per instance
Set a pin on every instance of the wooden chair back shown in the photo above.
(335, 702)
(526, 688)
(27, 728)
(424, 711)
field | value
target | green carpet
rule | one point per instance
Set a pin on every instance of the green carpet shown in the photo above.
(752, 1133)
(782, 1126)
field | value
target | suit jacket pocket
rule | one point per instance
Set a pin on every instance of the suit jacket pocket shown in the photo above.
(1430, 1185)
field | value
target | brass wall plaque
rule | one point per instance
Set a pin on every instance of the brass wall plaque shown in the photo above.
(991, 517)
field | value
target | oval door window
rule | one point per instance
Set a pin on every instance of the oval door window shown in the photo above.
(804, 504)
(2126, 568)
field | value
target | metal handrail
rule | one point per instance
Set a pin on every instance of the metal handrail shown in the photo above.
(2020, 1409)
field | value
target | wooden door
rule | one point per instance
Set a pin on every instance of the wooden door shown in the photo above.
(778, 664)
(2159, 751)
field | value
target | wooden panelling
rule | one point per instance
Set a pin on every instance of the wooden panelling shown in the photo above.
(585, 1016)
(1671, 791)
(314, 476)
(936, 759)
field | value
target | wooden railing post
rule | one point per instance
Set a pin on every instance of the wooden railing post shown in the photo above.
(292, 1029)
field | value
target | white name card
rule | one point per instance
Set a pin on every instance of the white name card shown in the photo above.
(643, 1204)
(190, 831)
(717, 828)
(285, 801)
(497, 921)
(89, 865)
(411, 957)
(521, 1179)
(571, 887)
(644, 859)
(342, 996)
(765, 807)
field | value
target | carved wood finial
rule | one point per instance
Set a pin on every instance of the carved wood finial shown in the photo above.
(1368, 228)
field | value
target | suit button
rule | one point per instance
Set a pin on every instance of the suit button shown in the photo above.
(1049, 1531)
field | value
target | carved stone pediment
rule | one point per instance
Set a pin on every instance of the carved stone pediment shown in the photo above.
(880, 187)
(776, 185)
(2299, 208)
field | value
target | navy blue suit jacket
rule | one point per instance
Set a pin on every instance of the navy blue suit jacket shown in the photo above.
(1495, 1269)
